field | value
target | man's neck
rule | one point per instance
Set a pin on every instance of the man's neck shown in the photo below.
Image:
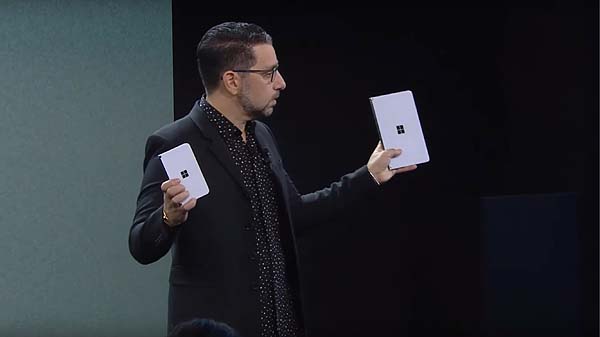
(228, 108)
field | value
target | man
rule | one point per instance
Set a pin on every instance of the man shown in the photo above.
(234, 251)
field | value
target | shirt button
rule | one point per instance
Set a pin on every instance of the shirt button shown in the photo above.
(247, 227)
(255, 287)
(252, 256)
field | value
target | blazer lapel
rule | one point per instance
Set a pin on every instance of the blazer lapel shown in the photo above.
(267, 147)
(217, 145)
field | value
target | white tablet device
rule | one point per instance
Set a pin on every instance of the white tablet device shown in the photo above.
(180, 162)
(399, 127)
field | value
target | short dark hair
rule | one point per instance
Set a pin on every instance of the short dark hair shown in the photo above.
(203, 327)
(228, 46)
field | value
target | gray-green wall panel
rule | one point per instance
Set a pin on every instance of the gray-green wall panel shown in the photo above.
(82, 85)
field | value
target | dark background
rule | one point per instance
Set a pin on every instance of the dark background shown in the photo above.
(508, 100)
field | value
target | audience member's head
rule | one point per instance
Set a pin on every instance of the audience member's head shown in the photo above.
(203, 327)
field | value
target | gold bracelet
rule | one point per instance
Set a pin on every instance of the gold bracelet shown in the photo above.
(166, 218)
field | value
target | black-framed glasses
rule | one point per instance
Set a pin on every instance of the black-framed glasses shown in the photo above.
(266, 72)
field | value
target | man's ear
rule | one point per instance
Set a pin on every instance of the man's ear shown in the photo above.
(231, 82)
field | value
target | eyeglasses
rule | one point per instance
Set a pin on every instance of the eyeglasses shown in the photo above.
(268, 73)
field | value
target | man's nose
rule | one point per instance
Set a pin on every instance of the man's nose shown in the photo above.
(279, 81)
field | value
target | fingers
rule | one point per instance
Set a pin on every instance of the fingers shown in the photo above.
(171, 182)
(172, 189)
(174, 195)
(389, 152)
(175, 190)
(405, 169)
(393, 153)
(189, 205)
(180, 197)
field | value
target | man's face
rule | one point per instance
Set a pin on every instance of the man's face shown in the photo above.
(258, 94)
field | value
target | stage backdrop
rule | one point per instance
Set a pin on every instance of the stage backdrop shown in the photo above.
(508, 101)
(83, 83)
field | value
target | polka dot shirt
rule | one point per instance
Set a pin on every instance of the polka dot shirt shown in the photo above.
(277, 312)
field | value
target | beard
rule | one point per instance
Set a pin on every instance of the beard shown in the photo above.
(252, 109)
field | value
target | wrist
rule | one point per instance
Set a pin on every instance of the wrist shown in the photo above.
(374, 178)
(166, 220)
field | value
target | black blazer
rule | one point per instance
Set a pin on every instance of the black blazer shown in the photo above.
(213, 270)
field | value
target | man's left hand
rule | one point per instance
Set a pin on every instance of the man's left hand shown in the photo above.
(379, 162)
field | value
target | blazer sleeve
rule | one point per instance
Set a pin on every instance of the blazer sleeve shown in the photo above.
(316, 207)
(313, 208)
(149, 237)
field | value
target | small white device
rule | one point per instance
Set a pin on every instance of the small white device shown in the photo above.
(180, 162)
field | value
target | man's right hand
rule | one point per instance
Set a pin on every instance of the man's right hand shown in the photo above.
(173, 195)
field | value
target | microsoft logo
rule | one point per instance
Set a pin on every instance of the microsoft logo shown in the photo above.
(400, 129)
(184, 174)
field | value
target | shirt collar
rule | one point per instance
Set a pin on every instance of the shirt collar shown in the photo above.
(224, 126)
